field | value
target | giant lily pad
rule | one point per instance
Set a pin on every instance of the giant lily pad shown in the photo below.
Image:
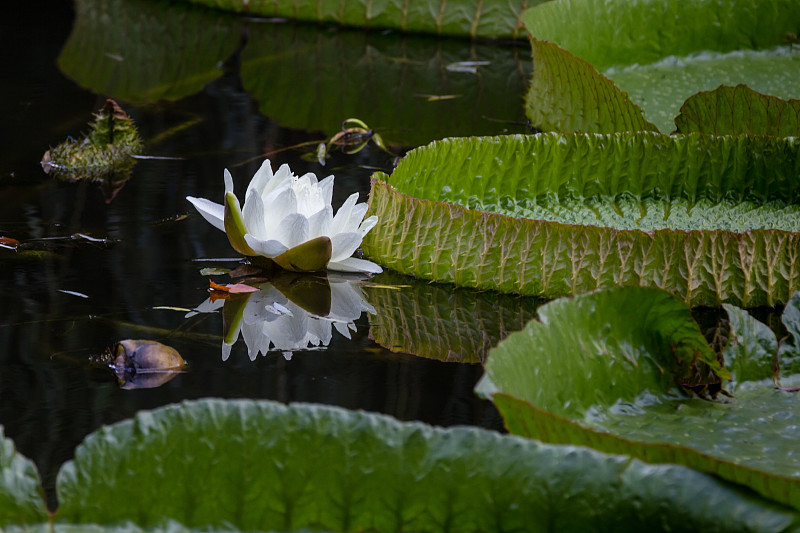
(603, 369)
(645, 31)
(662, 88)
(658, 54)
(21, 500)
(739, 110)
(329, 469)
(711, 219)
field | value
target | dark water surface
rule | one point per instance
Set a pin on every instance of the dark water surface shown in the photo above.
(66, 301)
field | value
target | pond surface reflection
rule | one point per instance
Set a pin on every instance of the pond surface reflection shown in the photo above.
(67, 299)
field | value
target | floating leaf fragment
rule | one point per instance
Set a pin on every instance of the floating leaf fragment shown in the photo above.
(233, 288)
(214, 271)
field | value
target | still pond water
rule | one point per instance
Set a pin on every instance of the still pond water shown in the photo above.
(213, 91)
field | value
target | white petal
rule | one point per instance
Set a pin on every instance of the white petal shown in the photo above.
(326, 187)
(320, 223)
(342, 217)
(347, 302)
(367, 225)
(208, 306)
(277, 206)
(343, 245)
(226, 350)
(269, 248)
(212, 212)
(342, 328)
(228, 181)
(352, 264)
(261, 178)
(253, 215)
(292, 230)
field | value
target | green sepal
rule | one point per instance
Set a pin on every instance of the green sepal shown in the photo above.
(307, 257)
(234, 225)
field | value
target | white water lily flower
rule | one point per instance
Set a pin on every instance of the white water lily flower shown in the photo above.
(290, 220)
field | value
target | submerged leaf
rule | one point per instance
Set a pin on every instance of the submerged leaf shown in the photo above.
(324, 468)
(739, 110)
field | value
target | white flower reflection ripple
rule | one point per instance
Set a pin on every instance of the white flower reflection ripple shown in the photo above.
(268, 320)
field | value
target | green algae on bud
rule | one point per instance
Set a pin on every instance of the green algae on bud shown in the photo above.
(106, 152)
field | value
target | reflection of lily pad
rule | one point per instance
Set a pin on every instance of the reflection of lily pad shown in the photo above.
(438, 322)
(142, 51)
(473, 18)
(600, 211)
(599, 370)
(310, 79)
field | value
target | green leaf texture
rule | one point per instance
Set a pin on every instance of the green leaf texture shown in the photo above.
(660, 89)
(568, 94)
(21, 497)
(255, 465)
(141, 51)
(473, 18)
(645, 31)
(739, 110)
(453, 211)
(438, 322)
(598, 370)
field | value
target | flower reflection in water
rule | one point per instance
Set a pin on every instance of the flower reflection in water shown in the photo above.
(290, 312)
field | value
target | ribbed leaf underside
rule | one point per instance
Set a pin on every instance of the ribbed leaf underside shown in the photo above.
(473, 18)
(739, 110)
(422, 232)
(568, 94)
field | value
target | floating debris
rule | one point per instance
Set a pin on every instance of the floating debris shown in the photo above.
(145, 364)
(105, 154)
